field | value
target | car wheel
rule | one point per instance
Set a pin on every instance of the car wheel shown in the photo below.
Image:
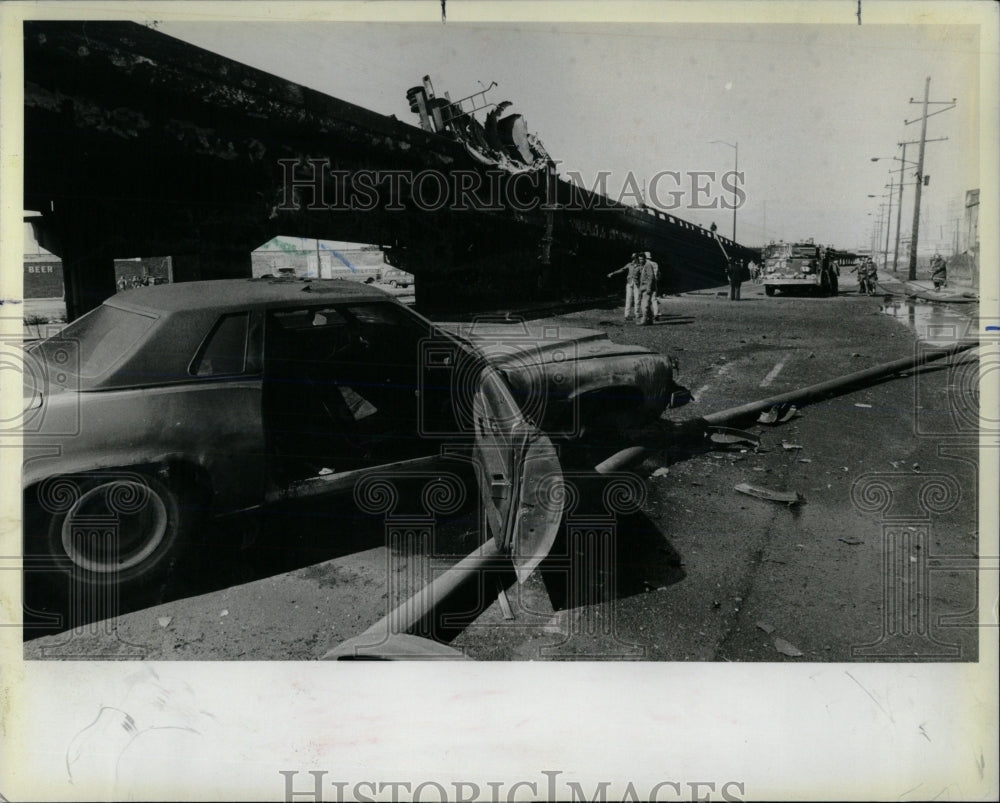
(394, 283)
(769, 289)
(119, 528)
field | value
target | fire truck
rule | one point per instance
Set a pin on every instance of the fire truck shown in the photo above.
(791, 267)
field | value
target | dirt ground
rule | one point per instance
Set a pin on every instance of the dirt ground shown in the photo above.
(876, 563)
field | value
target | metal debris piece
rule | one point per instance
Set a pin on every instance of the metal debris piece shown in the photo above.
(766, 627)
(660, 472)
(805, 460)
(726, 435)
(768, 416)
(851, 541)
(788, 497)
(505, 605)
(778, 413)
(789, 446)
(791, 412)
(786, 648)
(859, 404)
(163, 621)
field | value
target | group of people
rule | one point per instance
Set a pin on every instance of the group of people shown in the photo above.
(867, 275)
(642, 278)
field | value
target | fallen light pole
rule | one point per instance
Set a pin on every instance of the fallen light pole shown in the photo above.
(831, 386)
(698, 427)
(389, 638)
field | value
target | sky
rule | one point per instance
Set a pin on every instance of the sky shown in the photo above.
(807, 105)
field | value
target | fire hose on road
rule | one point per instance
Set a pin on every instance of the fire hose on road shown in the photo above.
(389, 637)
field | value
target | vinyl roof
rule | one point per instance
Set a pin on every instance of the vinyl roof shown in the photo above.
(224, 294)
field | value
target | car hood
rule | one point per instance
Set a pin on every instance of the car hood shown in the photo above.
(516, 345)
(547, 362)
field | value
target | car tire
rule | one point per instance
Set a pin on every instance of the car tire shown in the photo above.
(125, 529)
(394, 283)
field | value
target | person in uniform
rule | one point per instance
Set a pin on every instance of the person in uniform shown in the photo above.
(631, 271)
(939, 271)
(656, 283)
(647, 290)
(734, 272)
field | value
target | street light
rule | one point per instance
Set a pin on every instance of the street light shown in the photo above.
(888, 220)
(736, 169)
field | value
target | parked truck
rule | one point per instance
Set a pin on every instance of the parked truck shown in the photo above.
(800, 266)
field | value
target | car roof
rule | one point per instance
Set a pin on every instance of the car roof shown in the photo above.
(221, 295)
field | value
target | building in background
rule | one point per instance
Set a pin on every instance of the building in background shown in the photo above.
(324, 259)
(43, 289)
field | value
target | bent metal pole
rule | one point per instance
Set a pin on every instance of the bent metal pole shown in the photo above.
(633, 455)
(840, 383)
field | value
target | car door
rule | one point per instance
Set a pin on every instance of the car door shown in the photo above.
(520, 481)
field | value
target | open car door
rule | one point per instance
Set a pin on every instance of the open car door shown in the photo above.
(520, 481)
(522, 498)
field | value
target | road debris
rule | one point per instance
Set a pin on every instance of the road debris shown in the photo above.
(786, 648)
(788, 497)
(728, 435)
(660, 472)
(859, 404)
(163, 621)
(779, 413)
(851, 541)
(789, 446)
(769, 629)
(505, 604)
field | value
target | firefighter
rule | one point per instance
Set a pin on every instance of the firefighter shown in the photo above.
(734, 272)
(939, 271)
(631, 271)
(647, 290)
(656, 283)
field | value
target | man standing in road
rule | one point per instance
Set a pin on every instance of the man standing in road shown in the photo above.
(656, 283)
(647, 290)
(939, 271)
(631, 271)
(734, 272)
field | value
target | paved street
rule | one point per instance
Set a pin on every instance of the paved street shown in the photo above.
(698, 571)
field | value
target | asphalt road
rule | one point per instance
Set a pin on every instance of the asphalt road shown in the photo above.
(876, 562)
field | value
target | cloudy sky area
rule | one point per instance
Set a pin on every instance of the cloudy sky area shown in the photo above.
(809, 105)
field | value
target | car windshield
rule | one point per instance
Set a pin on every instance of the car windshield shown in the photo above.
(91, 345)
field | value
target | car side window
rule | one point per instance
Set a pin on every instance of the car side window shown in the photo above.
(224, 351)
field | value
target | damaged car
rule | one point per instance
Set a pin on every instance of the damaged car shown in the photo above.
(170, 405)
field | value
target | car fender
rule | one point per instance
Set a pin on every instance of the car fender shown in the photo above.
(212, 426)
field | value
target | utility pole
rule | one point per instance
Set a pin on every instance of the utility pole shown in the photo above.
(912, 275)
(888, 226)
(899, 209)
